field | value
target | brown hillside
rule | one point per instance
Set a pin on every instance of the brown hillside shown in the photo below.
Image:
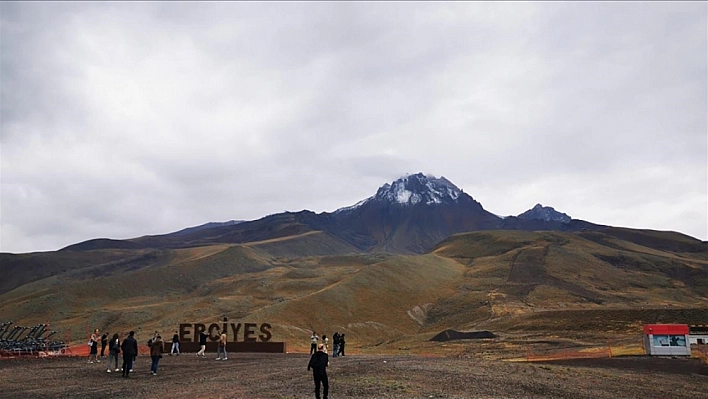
(502, 281)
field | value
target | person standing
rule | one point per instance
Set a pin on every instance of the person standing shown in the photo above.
(175, 344)
(93, 345)
(113, 351)
(313, 342)
(221, 348)
(319, 363)
(335, 344)
(104, 342)
(341, 345)
(202, 341)
(130, 351)
(156, 353)
(325, 342)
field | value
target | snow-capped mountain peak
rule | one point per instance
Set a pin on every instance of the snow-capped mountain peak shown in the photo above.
(412, 190)
(417, 189)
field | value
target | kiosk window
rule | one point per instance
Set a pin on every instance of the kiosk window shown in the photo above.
(661, 340)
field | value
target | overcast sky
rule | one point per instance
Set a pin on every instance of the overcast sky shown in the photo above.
(126, 119)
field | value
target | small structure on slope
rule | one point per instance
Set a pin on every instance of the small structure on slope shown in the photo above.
(452, 335)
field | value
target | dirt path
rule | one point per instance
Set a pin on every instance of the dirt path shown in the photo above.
(285, 376)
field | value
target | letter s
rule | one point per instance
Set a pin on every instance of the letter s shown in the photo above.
(266, 336)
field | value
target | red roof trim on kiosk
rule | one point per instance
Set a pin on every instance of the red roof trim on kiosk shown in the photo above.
(666, 329)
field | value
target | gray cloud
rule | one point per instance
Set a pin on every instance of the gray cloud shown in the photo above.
(124, 119)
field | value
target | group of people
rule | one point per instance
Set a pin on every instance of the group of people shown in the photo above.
(319, 359)
(338, 344)
(220, 347)
(129, 348)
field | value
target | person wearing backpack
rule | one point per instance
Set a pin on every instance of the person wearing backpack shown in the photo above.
(113, 351)
(156, 353)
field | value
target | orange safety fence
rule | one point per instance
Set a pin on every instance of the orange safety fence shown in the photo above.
(701, 352)
(570, 353)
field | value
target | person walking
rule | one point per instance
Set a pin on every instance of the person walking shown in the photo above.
(175, 344)
(313, 342)
(113, 351)
(104, 342)
(319, 363)
(93, 345)
(202, 341)
(221, 348)
(156, 353)
(130, 351)
(341, 345)
(335, 344)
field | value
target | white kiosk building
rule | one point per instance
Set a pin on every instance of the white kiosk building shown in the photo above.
(667, 340)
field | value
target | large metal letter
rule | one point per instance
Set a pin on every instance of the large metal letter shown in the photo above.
(184, 332)
(235, 329)
(266, 336)
(248, 332)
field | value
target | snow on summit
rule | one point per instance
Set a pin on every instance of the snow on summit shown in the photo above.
(414, 189)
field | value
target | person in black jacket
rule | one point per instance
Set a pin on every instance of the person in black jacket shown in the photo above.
(175, 344)
(104, 342)
(335, 344)
(318, 363)
(341, 345)
(113, 352)
(130, 351)
(202, 343)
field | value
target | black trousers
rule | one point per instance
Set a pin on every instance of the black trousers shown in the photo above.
(313, 348)
(127, 365)
(321, 378)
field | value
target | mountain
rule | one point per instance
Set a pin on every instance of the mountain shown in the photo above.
(418, 257)
(408, 215)
(412, 214)
(545, 213)
(576, 285)
(209, 225)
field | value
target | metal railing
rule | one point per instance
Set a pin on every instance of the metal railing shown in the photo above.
(18, 340)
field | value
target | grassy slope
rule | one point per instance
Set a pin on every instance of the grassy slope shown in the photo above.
(502, 281)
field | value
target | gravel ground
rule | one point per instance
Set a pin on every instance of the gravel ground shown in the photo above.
(361, 376)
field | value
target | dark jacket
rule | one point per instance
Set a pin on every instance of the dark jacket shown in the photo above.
(129, 347)
(202, 338)
(318, 363)
(156, 348)
(175, 338)
(115, 346)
